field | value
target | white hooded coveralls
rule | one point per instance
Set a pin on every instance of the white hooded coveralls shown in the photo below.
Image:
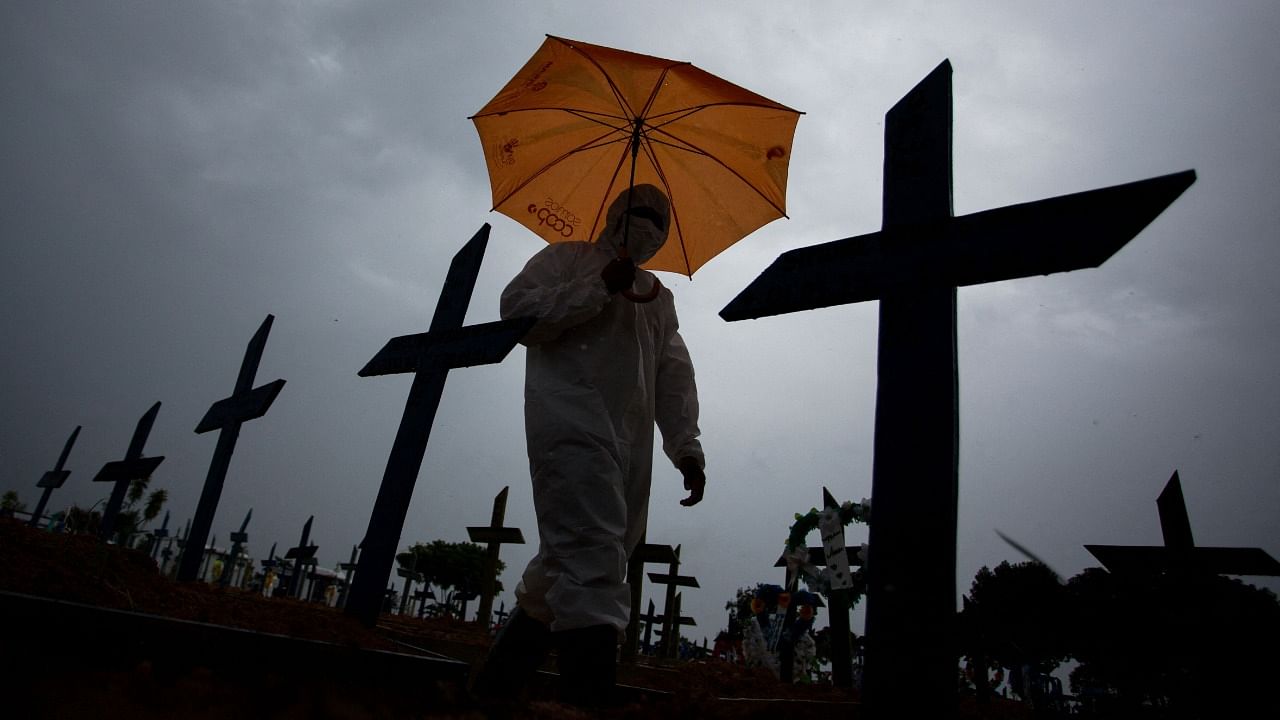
(600, 370)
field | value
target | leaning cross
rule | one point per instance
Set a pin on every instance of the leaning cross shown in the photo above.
(53, 479)
(643, 554)
(669, 608)
(913, 266)
(246, 403)
(347, 568)
(123, 472)
(159, 534)
(429, 356)
(672, 621)
(411, 576)
(301, 555)
(649, 619)
(495, 535)
(1179, 552)
(238, 539)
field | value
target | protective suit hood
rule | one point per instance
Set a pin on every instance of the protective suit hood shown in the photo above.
(649, 218)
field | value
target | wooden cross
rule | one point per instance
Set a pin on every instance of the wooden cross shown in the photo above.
(411, 576)
(672, 621)
(643, 554)
(649, 619)
(672, 579)
(53, 479)
(238, 539)
(347, 569)
(422, 596)
(1179, 552)
(913, 266)
(495, 535)
(303, 554)
(245, 403)
(159, 534)
(500, 617)
(429, 356)
(123, 472)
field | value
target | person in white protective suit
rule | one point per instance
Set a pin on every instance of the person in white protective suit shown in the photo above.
(601, 369)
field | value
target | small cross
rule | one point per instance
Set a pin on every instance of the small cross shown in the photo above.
(123, 472)
(672, 579)
(238, 539)
(495, 535)
(643, 554)
(245, 403)
(53, 479)
(429, 356)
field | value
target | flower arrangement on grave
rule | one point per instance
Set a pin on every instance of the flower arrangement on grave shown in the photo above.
(797, 551)
(761, 614)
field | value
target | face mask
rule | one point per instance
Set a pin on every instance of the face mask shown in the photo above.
(644, 225)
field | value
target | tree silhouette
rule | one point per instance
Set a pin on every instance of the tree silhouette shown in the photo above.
(458, 567)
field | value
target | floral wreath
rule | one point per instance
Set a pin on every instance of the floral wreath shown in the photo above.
(797, 549)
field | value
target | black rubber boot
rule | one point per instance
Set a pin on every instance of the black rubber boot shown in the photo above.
(588, 661)
(517, 652)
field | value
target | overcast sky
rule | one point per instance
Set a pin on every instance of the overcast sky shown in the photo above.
(175, 171)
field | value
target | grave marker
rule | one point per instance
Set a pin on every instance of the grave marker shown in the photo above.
(302, 555)
(53, 479)
(429, 356)
(123, 472)
(672, 621)
(672, 579)
(1179, 552)
(159, 534)
(495, 535)
(347, 569)
(245, 403)
(238, 539)
(643, 554)
(913, 265)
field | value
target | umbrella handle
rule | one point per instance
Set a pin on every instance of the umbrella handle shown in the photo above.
(650, 296)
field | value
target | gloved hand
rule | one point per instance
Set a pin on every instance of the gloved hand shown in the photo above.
(695, 481)
(619, 274)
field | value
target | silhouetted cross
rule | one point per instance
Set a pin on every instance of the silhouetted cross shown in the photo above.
(913, 266)
(495, 536)
(245, 403)
(1179, 552)
(429, 356)
(122, 472)
(53, 479)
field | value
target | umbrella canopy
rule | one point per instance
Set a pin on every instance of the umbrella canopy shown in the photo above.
(581, 123)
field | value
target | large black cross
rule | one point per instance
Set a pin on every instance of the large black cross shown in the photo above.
(429, 356)
(913, 266)
(670, 623)
(53, 479)
(122, 472)
(494, 535)
(644, 554)
(245, 403)
(1179, 552)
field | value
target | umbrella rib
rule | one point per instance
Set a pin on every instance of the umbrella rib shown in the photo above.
(685, 145)
(589, 145)
(671, 205)
(617, 94)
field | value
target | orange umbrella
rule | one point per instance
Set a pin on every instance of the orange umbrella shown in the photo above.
(581, 123)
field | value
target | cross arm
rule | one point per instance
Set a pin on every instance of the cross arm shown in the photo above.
(118, 470)
(53, 479)
(1059, 234)
(678, 580)
(239, 408)
(1216, 560)
(482, 344)
(651, 553)
(486, 534)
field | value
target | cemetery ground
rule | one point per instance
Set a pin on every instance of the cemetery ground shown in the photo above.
(93, 630)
